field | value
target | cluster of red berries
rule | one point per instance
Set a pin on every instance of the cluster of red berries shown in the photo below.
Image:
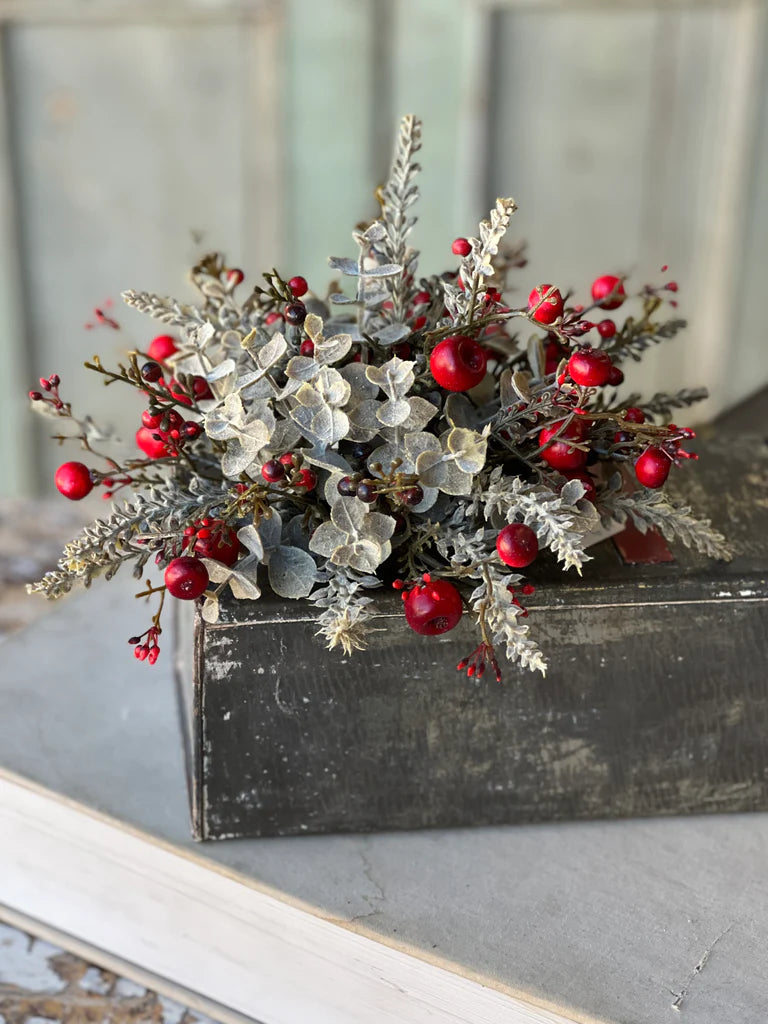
(164, 432)
(286, 469)
(146, 646)
(49, 392)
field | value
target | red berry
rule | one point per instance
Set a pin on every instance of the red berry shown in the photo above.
(652, 468)
(559, 454)
(634, 415)
(286, 459)
(458, 363)
(235, 276)
(298, 286)
(307, 347)
(73, 479)
(412, 495)
(606, 328)
(161, 347)
(421, 298)
(175, 391)
(273, 471)
(517, 545)
(549, 309)
(151, 420)
(221, 543)
(191, 430)
(307, 479)
(419, 322)
(201, 388)
(186, 578)
(615, 377)
(273, 318)
(608, 291)
(433, 608)
(590, 367)
(461, 247)
(149, 444)
(590, 492)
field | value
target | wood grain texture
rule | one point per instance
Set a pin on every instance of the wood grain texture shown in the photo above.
(656, 701)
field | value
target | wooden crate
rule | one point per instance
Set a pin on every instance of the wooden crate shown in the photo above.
(656, 700)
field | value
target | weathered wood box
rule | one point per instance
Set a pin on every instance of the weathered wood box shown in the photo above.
(656, 701)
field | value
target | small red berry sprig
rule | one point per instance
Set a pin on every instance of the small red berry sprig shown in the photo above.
(145, 645)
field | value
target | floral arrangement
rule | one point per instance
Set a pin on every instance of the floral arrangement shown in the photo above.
(427, 433)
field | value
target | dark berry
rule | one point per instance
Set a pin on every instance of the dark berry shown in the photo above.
(433, 608)
(307, 347)
(549, 309)
(347, 487)
(360, 450)
(608, 291)
(634, 415)
(461, 247)
(287, 459)
(295, 313)
(517, 545)
(615, 377)
(186, 578)
(458, 363)
(589, 367)
(412, 495)
(151, 372)
(298, 286)
(73, 480)
(273, 471)
(36, 396)
(622, 437)
(402, 350)
(366, 492)
(652, 468)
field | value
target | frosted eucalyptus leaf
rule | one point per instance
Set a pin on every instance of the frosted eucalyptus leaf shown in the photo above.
(313, 327)
(326, 458)
(326, 539)
(348, 514)
(331, 350)
(392, 333)
(292, 572)
(273, 351)
(393, 413)
(210, 610)
(572, 491)
(467, 447)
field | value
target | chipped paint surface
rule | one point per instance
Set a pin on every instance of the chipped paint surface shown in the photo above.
(41, 984)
